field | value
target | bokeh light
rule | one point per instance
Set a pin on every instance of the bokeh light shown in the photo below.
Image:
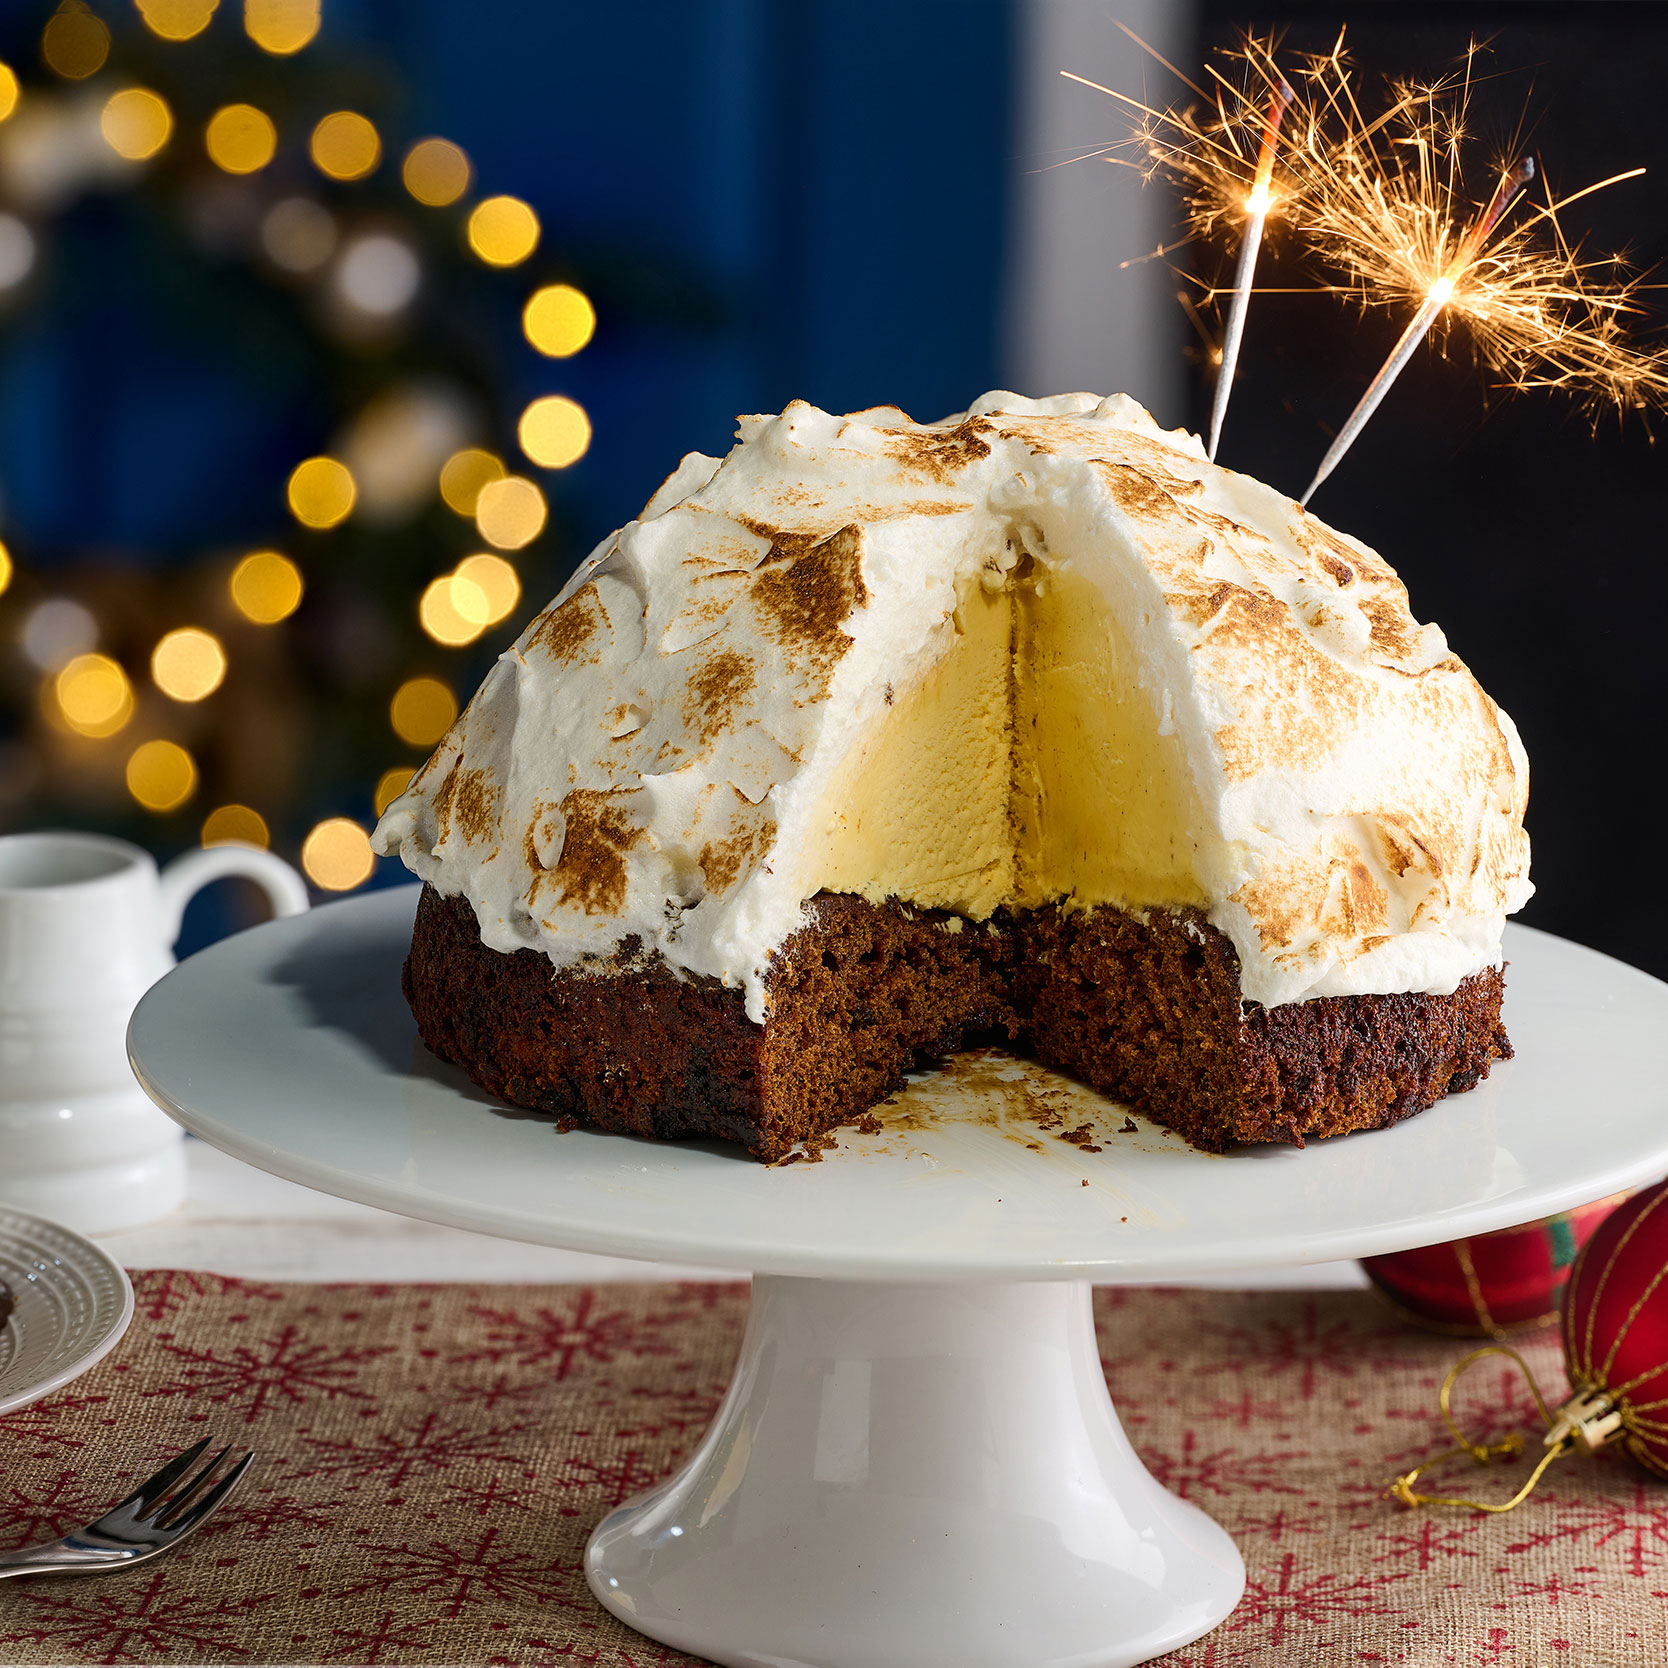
(436, 172)
(298, 234)
(391, 784)
(75, 43)
(235, 825)
(188, 664)
(266, 587)
(5, 567)
(559, 320)
(17, 251)
(503, 231)
(9, 91)
(136, 123)
(453, 611)
(177, 20)
(510, 513)
(94, 695)
(554, 431)
(464, 474)
(378, 274)
(281, 26)
(498, 581)
(57, 630)
(422, 711)
(345, 146)
(321, 492)
(161, 775)
(337, 855)
(241, 139)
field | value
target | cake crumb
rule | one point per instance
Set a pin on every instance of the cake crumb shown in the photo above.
(869, 1124)
(1129, 1127)
(1084, 1182)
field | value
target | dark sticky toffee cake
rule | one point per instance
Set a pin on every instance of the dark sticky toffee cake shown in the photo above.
(878, 736)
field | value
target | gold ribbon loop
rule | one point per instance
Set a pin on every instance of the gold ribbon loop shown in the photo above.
(1584, 1423)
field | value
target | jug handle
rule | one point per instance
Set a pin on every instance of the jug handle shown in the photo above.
(285, 889)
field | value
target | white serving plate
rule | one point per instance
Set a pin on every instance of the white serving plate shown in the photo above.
(290, 1046)
(74, 1303)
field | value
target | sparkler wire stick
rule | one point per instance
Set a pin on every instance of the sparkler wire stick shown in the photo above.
(1436, 298)
(1240, 297)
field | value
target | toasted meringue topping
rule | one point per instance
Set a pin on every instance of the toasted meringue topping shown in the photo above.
(1038, 651)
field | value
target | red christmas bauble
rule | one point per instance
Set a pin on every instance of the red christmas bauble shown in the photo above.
(1489, 1285)
(1616, 1329)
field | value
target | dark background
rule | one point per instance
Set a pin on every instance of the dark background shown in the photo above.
(815, 200)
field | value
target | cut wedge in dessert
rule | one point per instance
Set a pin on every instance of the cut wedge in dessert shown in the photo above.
(878, 736)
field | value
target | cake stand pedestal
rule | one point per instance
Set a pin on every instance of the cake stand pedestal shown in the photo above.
(908, 1476)
(917, 1462)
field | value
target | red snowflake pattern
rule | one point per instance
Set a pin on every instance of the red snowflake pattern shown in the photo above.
(618, 1478)
(161, 1292)
(61, 1422)
(458, 1573)
(43, 1514)
(1307, 1347)
(424, 1445)
(682, 1412)
(134, 1622)
(285, 1367)
(583, 1328)
(1553, 1591)
(268, 1516)
(372, 1644)
(1296, 1597)
(1196, 1471)
(1429, 1539)
(1631, 1522)
(428, 1499)
(491, 1498)
(502, 1391)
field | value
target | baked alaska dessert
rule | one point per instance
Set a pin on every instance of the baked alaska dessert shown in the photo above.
(879, 735)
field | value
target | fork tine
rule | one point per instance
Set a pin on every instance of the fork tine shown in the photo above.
(208, 1503)
(181, 1496)
(155, 1486)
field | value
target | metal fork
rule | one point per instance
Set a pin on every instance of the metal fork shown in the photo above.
(161, 1511)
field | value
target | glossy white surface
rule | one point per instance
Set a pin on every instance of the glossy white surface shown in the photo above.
(913, 1477)
(73, 1304)
(290, 1046)
(86, 926)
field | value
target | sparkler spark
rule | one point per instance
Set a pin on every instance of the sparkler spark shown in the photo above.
(1381, 204)
(1439, 293)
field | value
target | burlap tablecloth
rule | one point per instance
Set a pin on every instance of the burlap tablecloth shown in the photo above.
(433, 1459)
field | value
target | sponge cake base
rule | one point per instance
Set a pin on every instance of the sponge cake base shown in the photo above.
(1144, 1007)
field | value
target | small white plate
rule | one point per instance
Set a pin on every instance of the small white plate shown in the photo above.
(74, 1302)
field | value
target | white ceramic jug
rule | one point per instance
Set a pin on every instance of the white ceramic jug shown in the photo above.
(87, 925)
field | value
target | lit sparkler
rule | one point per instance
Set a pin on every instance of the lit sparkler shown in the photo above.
(1438, 294)
(1381, 202)
(1256, 208)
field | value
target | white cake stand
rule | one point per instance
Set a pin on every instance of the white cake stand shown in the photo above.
(917, 1463)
